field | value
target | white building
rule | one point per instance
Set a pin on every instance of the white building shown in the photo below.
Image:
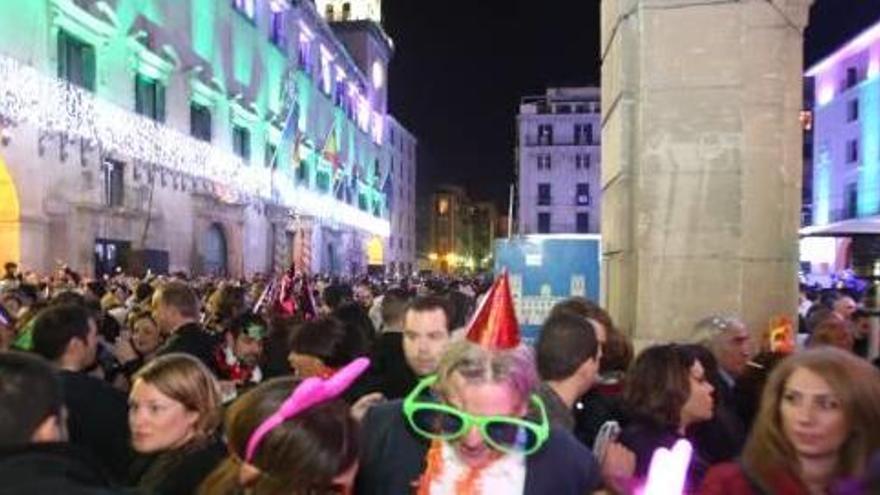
(846, 157)
(558, 162)
(400, 195)
(153, 133)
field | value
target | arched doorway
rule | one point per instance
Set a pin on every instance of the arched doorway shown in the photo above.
(10, 218)
(214, 253)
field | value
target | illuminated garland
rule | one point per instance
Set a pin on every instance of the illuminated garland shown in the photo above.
(28, 97)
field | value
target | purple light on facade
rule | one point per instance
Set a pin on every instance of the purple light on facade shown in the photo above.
(868, 37)
(826, 93)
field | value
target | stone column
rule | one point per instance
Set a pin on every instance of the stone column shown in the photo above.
(701, 161)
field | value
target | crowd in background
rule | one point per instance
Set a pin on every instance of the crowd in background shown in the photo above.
(158, 384)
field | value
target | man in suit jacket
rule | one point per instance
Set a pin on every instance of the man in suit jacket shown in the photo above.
(402, 453)
(176, 311)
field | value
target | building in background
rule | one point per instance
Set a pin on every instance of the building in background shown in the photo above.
(558, 162)
(400, 195)
(845, 172)
(226, 137)
(462, 231)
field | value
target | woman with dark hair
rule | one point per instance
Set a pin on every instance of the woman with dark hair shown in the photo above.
(320, 347)
(311, 449)
(814, 433)
(667, 394)
(359, 326)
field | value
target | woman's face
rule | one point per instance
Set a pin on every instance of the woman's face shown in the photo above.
(145, 336)
(158, 422)
(812, 415)
(700, 403)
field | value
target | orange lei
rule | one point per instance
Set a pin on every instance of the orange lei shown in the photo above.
(466, 485)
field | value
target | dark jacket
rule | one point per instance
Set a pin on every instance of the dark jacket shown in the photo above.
(178, 472)
(97, 420)
(393, 376)
(192, 339)
(393, 457)
(51, 469)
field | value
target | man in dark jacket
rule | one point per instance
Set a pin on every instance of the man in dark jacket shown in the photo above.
(176, 311)
(35, 459)
(472, 384)
(67, 335)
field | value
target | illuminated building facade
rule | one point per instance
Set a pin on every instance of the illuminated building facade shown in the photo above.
(400, 196)
(462, 231)
(558, 162)
(209, 136)
(846, 154)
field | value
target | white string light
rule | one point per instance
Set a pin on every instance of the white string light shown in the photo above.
(28, 97)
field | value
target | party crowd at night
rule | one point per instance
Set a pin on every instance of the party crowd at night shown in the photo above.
(355, 247)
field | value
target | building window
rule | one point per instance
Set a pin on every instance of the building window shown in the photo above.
(852, 77)
(114, 183)
(852, 151)
(545, 134)
(200, 122)
(544, 198)
(582, 223)
(442, 206)
(271, 158)
(241, 142)
(543, 223)
(582, 161)
(852, 200)
(544, 162)
(852, 110)
(76, 61)
(346, 11)
(582, 194)
(563, 109)
(246, 7)
(303, 58)
(583, 134)
(149, 98)
(328, 12)
(277, 34)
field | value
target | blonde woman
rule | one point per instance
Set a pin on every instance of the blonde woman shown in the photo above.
(815, 431)
(174, 414)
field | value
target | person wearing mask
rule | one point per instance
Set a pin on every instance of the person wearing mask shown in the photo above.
(238, 359)
(35, 457)
(67, 336)
(176, 311)
(667, 394)
(815, 431)
(174, 415)
(567, 354)
(291, 437)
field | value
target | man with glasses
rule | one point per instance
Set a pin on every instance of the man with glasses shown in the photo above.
(476, 426)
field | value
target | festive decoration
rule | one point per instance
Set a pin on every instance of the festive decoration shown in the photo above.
(309, 393)
(494, 325)
(781, 335)
(668, 471)
(56, 107)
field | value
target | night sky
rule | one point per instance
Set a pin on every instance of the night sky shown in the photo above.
(461, 66)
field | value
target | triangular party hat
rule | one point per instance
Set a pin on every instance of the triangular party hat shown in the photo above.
(494, 325)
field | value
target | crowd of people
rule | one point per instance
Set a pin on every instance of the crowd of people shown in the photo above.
(301, 385)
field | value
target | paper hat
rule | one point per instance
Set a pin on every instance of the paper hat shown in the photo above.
(494, 325)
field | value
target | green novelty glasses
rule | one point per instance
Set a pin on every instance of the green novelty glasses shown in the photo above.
(435, 420)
